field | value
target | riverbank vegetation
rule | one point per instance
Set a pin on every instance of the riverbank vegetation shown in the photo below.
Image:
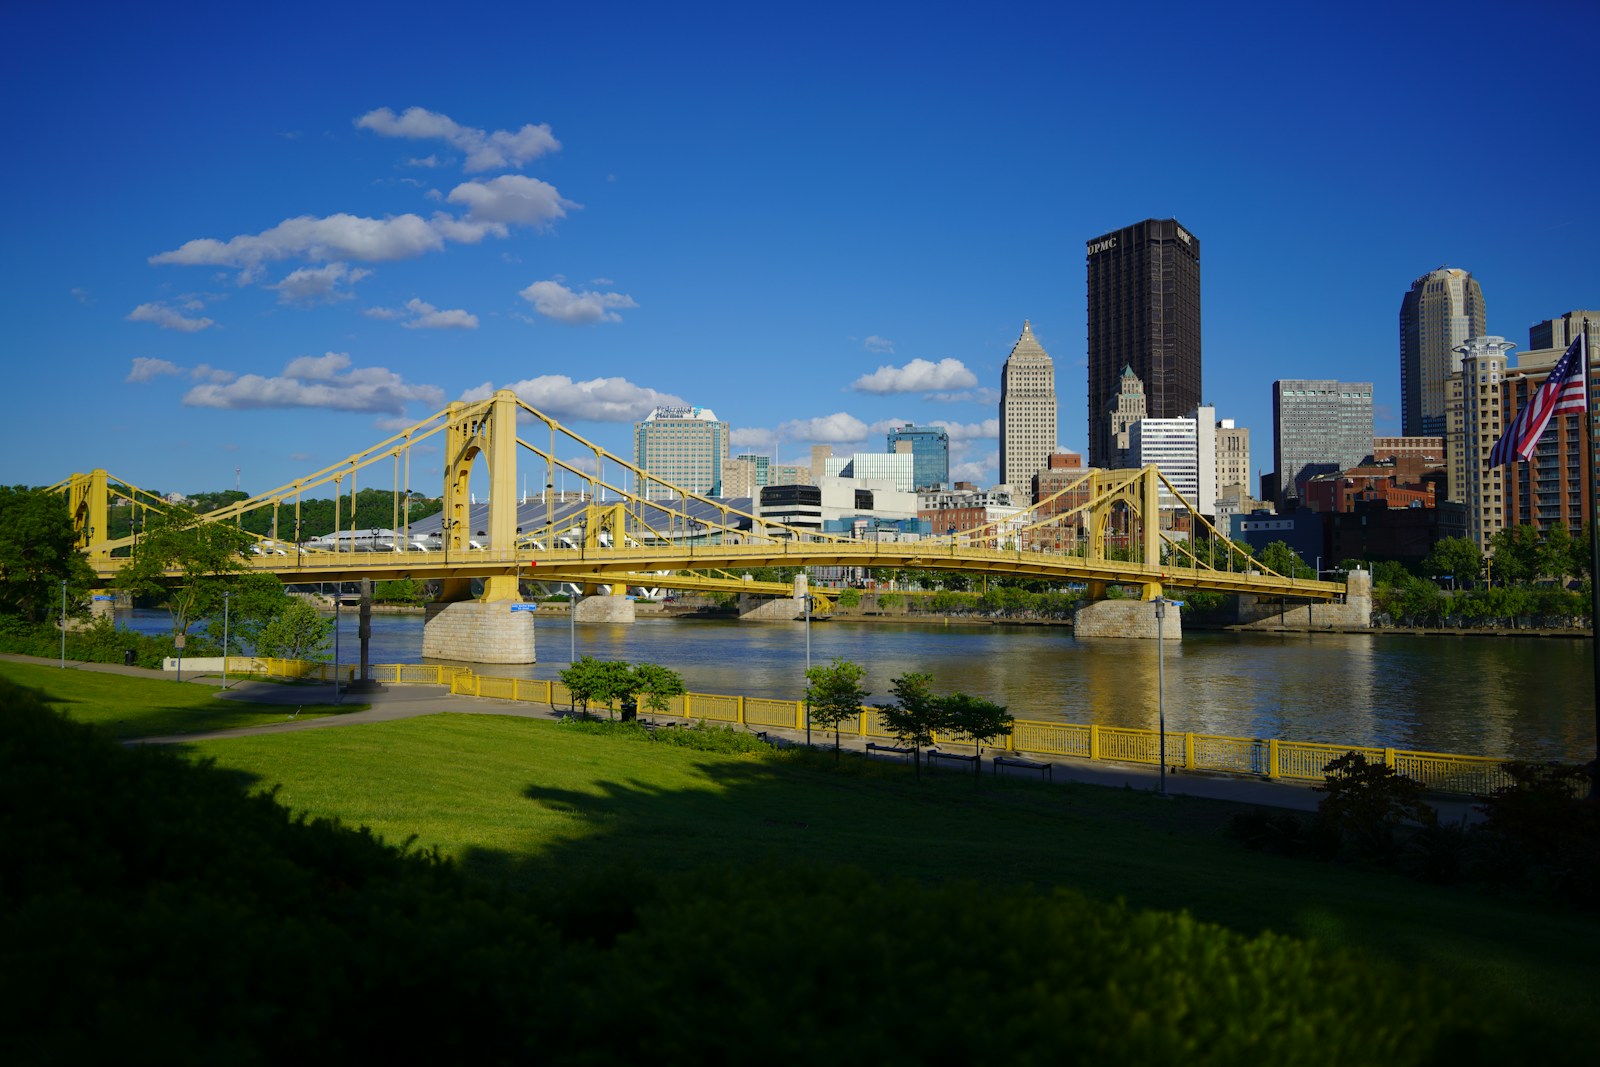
(183, 908)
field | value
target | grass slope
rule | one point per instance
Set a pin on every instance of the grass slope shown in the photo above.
(543, 806)
(127, 707)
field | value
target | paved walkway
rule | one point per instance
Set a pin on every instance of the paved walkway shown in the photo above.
(392, 702)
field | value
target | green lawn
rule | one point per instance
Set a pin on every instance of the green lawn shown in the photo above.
(130, 707)
(542, 805)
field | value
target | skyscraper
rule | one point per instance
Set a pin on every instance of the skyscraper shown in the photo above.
(1318, 427)
(930, 454)
(1027, 412)
(1144, 314)
(1441, 311)
(684, 447)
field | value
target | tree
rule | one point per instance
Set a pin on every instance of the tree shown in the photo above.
(834, 694)
(1279, 557)
(979, 721)
(915, 714)
(299, 631)
(204, 554)
(254, 601)
(1516, 552)
(39, 551)
(656, 684)
(592, 681)
(1456, 557)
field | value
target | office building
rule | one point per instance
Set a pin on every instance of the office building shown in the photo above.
(1027, 412)
(1144, 314)
(894, 468)
(1473, 420)
(930, 454)
(1173, 446)
(1233, 459)
(1549, 489)
(1440, 312)
(684, 447)
(1127, 408)
(1318, 427)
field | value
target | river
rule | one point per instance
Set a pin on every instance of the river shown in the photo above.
(1529, 698)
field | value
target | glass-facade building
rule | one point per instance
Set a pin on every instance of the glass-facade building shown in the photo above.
(930, 454)
(1319, 426)
(1144, 314)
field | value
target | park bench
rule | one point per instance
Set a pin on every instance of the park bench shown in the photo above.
(936, 754)
(1046, 770)
(893, 750)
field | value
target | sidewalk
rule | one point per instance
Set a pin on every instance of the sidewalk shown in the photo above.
(393, 702)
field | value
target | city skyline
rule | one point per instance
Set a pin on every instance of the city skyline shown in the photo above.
(816, 243)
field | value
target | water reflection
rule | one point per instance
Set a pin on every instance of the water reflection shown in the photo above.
(1524, 697)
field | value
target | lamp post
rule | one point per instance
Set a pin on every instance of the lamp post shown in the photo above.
(226, 593)
(808, 669)
(338, 588)
(1161, 686)
(63, 624)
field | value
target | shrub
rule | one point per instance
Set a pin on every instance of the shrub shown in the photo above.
(1541, 835)
(1365, 802)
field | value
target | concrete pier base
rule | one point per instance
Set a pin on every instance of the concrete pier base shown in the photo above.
(771, 609)
(479, 632)
(1127, 618)
(613, 609)
(1268, 613)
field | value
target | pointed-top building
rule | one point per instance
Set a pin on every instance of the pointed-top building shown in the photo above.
(1128, 408)
(1027, 412)
(1438, 315)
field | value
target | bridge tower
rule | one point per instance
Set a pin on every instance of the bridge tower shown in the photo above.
(1102, 617)
(494, 628)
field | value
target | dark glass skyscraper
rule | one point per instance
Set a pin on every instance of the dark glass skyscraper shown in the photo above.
(930, 454)
(1144, 313)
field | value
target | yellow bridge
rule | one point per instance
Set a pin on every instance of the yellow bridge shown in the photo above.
(625, 527)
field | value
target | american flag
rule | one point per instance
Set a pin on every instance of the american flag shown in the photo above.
(1566, 389)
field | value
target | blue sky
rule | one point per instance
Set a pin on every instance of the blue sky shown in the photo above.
(261, 241)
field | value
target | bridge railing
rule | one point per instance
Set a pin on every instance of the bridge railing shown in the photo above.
(1272, 758)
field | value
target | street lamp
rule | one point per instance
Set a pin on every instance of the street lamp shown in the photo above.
(63, 624)
(226, 593)
(808, 669)
(1161, 685)
(338, 588)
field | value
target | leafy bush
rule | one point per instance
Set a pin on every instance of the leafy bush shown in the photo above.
(100, 642)
(704, 736)
(1541, 835)
(1366, 802)
(849, 597)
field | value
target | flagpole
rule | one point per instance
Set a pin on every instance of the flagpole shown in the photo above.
(1594, 558)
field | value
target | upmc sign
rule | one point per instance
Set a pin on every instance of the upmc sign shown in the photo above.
(1103, 244)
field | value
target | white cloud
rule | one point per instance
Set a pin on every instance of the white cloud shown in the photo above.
(145, 370)
(837, 428)
(880, 345)
(978, 471)
(318, 285)
(381, 313)
(484, 151)
(753, 437)
(969, 431)
(336, 237)
(598, 400)
(510, 199)
(167, 318)
(429, 317)
(918, 376)
(317, 382)
(555, 301)
(428, 162)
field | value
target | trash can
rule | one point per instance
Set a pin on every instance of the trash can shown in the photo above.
(127, 657)
(630, 710)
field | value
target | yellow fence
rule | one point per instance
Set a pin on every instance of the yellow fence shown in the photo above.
(1267, 758)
